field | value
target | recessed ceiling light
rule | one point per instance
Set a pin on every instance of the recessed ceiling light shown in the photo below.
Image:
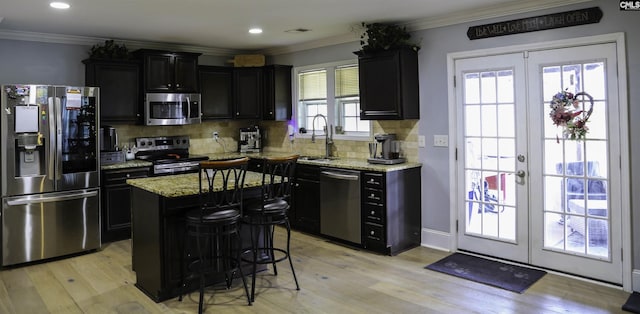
(59, 5)
(255, 30)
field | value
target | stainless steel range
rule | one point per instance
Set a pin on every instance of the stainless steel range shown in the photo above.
(169, 154)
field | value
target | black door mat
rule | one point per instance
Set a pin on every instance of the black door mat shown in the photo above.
(633, 303)
(506, 276)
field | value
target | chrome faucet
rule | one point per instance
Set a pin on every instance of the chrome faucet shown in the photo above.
(328, 138)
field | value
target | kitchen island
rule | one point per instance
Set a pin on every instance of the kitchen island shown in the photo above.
(158, 208)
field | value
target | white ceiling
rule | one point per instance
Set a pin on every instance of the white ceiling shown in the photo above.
(224, 24)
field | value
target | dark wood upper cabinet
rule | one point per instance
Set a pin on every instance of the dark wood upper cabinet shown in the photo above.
(169, 71)
(119, 82)
(277, 93)
(248, 92)
(389, 85)
(216, 90)
(262, 92)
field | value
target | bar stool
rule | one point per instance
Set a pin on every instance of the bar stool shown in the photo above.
(215, 225)
(266, 212)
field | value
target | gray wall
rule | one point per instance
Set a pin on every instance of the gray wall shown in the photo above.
(39, 63)
(30, 62)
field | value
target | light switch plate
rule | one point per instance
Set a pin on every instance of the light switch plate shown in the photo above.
(441, 140)
(421, 141)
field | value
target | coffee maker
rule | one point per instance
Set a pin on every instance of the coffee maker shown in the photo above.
(250, 140)
(389, 150)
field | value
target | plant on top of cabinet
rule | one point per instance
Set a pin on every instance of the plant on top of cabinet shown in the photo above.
(110, 50)
(380, 36)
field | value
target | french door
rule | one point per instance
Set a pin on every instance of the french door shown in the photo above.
(525, 192)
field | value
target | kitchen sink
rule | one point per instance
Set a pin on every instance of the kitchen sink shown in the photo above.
(317, 158)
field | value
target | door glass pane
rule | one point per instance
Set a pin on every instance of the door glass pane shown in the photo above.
(576, 207)
(489, 117)
(78, 118)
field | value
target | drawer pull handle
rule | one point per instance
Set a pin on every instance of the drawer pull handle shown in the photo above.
(373, 233)
(373, 212)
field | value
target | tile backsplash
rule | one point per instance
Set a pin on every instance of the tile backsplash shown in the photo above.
(277, 140)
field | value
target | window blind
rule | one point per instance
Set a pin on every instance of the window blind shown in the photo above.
(313, 85)
(347, 81)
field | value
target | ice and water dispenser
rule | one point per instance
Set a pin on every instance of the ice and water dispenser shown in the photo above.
(30, 150)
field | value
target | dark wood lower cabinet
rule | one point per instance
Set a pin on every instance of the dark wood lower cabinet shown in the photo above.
(391, 212)
(305, 213)
(116, 202)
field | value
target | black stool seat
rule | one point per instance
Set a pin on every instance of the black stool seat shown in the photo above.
(212, 216)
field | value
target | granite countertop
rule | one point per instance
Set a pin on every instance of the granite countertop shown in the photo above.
(335, 162)
(128, 164)
(184, 184)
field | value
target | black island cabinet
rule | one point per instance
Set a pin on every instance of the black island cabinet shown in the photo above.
(158, 232)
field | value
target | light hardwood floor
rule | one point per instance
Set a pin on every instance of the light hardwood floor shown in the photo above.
(333, 279)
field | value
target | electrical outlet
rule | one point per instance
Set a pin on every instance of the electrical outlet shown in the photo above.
(215, 135)
(441, 140)
(421, 141)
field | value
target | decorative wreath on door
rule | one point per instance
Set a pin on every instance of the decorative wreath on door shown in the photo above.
(570, 114)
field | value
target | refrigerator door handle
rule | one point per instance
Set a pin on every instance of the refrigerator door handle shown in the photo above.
(58, 137)
(52, 143)
(49, 199)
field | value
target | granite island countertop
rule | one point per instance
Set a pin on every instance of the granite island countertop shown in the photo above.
(135, 163)
(180, 185)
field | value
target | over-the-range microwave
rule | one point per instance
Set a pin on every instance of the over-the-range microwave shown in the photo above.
(172, 109)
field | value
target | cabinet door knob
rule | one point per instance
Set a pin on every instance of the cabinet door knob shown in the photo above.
(373, 233)
(373, 212)
(270, 112)
(237, 113)
(177, 85)
(128, 175)
(169, 84)
(372, 195)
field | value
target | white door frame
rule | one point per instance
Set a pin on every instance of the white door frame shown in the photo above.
(455, 130)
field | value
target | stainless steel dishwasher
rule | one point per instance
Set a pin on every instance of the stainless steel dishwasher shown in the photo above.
(340, 214)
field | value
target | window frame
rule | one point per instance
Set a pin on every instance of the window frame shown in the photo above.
(334, 114)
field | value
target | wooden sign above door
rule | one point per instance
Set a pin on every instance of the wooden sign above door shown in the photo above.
(537, 23)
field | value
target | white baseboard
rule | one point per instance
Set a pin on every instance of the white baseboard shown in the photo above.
(436, 240)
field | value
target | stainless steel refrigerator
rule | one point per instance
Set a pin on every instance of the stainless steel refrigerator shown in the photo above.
(49, 173)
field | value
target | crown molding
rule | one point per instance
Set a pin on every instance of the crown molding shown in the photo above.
(438, 21)
(90, 41)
